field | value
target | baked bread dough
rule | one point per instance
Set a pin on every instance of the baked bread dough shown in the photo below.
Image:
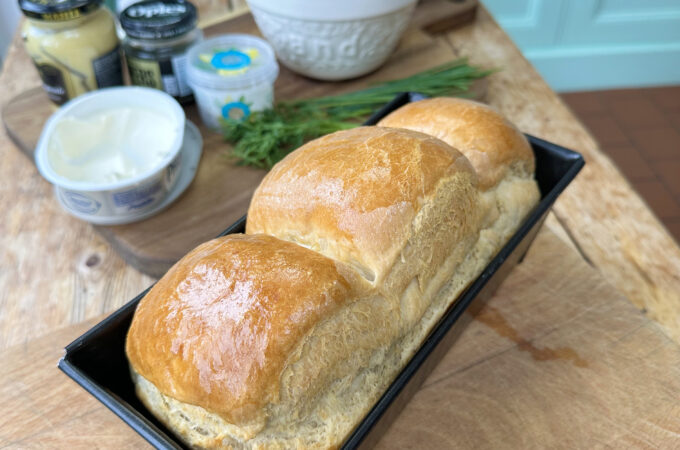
(493, 145)
(285, 337)
(498, 151)
(391, 203)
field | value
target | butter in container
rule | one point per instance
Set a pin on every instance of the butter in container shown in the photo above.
(231, 76)
(73, 44)
(158, 34)
(118, 155)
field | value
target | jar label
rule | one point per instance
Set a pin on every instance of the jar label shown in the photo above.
(53, 83)
(80, 202)
(108, 69)
(178, 72)
(138, 197)
(144, 72)
(167, 75)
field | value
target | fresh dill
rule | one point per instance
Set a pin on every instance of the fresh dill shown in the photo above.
(265, 137)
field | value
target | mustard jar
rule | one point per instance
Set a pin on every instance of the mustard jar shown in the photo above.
(73, 44)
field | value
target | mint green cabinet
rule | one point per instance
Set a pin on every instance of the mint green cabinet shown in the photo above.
(596, 44)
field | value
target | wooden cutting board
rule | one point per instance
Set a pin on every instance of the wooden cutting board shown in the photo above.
(556, 359)
(221, 191)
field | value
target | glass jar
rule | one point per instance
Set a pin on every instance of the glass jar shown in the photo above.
(73, 44)
(158, 35)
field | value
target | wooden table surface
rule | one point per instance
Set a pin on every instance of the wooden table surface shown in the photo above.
(55, 271)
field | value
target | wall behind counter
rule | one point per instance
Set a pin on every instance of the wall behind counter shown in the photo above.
(596, 44)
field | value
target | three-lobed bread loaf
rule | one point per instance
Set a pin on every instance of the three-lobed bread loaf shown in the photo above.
(356, 243)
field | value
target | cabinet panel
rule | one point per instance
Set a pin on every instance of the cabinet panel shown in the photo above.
(621, 22)
(596, 44)
(637, 6)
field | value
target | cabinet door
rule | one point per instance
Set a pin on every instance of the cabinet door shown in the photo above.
(621, 22)
(596, 44)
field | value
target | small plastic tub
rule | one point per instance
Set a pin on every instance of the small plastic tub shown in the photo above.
(74, 153)
(231, 76)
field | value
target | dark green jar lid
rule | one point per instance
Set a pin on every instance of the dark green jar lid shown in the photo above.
(159, 19)
(57, 10)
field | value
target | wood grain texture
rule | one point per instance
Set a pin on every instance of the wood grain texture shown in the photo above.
(437, 16)
(211, 12)
(556, 359)
(221, 191)
(607, 219)
(43, 408)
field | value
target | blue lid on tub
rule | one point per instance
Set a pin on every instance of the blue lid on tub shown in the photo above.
(231, 61)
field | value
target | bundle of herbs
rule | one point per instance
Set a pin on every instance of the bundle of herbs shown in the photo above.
(265, 137)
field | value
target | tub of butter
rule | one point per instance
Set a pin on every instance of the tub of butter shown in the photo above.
(115, 155)
(231, 76)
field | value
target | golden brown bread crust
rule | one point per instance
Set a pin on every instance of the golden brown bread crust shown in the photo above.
(491, 143)
(218, 328)
(352, 195)
(401, 208)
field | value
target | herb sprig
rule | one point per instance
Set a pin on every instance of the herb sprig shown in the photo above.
(265, 137)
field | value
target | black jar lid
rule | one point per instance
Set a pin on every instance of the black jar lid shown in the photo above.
(57, 10)
(158, 19)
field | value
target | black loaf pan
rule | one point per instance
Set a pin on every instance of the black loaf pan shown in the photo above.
(96, 360)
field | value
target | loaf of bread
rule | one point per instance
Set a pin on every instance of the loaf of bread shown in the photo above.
(355, 245)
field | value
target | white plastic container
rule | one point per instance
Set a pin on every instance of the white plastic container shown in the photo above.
(330, 39)
(93, 195)
(231, 75)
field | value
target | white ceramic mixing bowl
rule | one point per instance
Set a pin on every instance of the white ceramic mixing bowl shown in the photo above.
(332, 40)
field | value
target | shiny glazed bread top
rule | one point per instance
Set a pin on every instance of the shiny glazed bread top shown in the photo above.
(218, 328)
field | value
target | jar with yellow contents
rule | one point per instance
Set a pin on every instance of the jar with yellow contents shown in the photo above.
(73, 44)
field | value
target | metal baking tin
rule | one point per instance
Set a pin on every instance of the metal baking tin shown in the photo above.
(96, 360)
